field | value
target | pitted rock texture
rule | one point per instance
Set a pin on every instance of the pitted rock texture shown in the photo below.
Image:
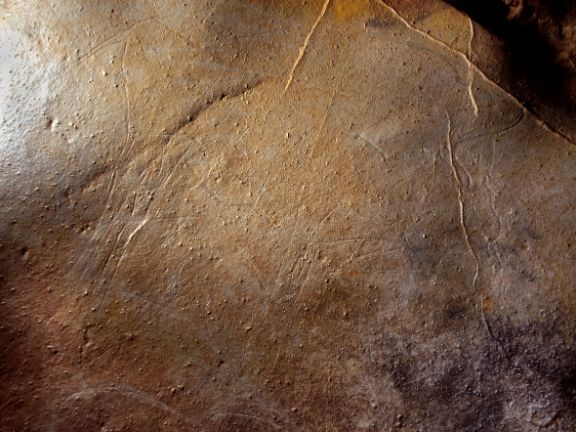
(283, 215)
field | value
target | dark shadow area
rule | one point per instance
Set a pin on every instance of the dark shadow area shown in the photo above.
(532, 63)
(532, 70)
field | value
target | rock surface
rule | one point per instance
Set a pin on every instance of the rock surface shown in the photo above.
(281, 215)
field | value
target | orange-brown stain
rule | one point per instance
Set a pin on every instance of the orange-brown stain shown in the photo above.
(346, 10)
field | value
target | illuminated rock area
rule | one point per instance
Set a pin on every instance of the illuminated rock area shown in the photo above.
(257, 215)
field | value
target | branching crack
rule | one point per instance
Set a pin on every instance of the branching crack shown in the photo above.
(460, 192)
(465, 233)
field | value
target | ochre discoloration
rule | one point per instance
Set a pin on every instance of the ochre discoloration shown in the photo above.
(347, 10)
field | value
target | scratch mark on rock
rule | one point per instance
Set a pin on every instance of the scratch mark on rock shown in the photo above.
(302, 49)
(131, 392)
(263, 189)
(311, 146)
(305, 272)
(129, 239)
(248, 416)
(490, 332)
(277, 282)
(126, 97)
(111, 40)
(196, 112)
(174, 168)
(370, 144)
